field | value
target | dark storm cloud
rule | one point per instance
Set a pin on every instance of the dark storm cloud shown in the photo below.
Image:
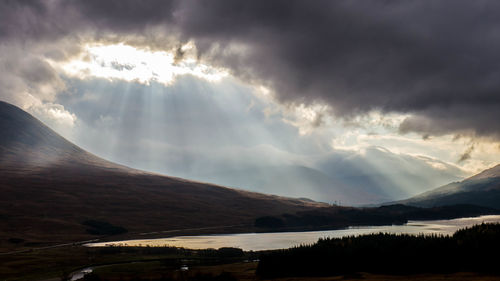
(34, 20)
(467, 154)
(462, 120)
(435, 59)
(49, 20)
(126, 16)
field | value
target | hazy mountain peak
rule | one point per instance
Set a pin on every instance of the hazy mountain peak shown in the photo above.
(488, 173)
(482, 189)
(26, 141)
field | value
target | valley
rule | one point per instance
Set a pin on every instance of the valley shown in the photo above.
(56, 198)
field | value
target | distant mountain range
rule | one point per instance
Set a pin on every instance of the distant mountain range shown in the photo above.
(293, 180)
(482, 189)
(51, 191)
(346, 179)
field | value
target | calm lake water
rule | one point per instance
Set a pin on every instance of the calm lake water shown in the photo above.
(281, 240)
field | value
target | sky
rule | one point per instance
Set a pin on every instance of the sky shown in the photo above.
(348, 102)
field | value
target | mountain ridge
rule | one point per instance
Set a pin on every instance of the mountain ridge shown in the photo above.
(482, 189)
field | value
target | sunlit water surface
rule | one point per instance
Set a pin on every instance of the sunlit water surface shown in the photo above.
(281, 240)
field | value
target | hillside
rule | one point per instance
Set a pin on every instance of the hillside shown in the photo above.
(50, 186)
(482, 189)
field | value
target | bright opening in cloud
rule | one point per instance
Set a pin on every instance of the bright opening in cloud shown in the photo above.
(124, 62)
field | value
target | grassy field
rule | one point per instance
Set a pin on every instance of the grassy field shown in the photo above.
(165, 263)
(131, 261)
(245, 271)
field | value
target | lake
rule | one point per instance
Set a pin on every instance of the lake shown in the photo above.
(281, 240)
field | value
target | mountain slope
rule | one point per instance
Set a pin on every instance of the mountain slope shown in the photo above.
(482, 189)
(49, 187)
(291, 180)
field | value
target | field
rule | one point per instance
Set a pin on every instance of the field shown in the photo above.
(56, 264)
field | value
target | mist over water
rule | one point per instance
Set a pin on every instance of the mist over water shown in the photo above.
(281, 240)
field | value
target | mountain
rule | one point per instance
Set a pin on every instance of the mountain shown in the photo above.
(53, 191)
(372, 175)
(345, 178)
(301, 181)
(482, 189)
(293, 180)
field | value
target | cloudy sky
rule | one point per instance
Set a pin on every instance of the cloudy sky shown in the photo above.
(379, 99)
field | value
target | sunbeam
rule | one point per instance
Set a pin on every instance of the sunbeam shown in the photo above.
(171, 111)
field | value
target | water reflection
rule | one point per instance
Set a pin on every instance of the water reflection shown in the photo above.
(270, 241)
